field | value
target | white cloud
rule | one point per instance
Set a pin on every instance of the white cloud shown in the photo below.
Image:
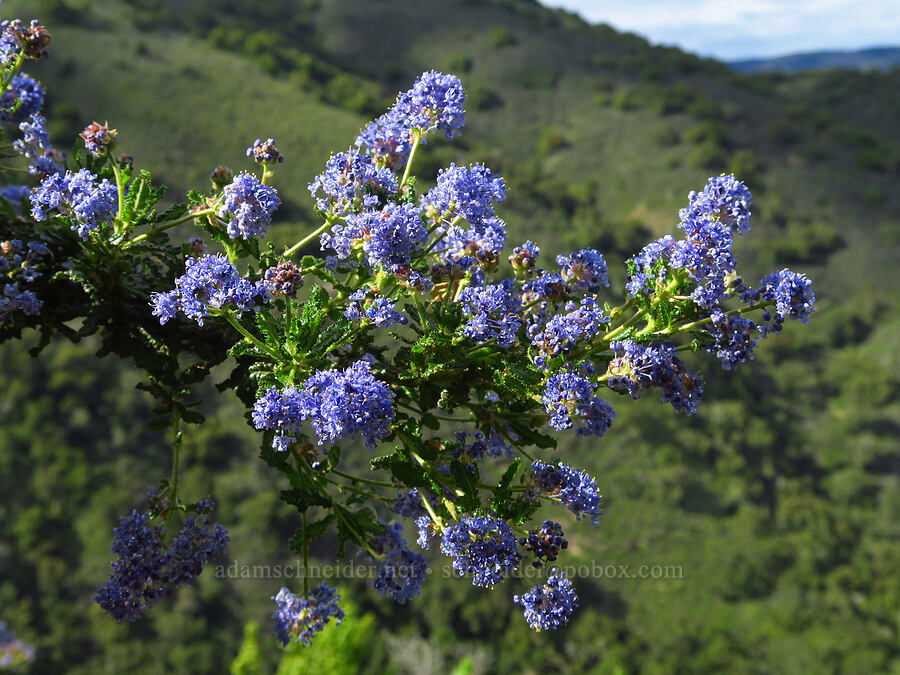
(736, 29)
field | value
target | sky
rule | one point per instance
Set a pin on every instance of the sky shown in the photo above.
(736, 29)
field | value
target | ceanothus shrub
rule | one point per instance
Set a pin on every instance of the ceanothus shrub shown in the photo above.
(403, 322)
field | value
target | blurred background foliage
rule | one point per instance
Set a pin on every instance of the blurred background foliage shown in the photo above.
(778, 502)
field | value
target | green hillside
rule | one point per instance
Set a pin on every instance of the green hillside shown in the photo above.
(775, 509)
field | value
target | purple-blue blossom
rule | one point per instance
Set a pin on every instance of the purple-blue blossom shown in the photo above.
(284, 278)
(549, 605)
(434, 103)
(584, 271)
(302, 618)
(365, 305)
(13, 652)
(15, 299)
(482, 546)
(545, 543)
(388, 237)
(401, 572)
(265, 152)
(408, 504)
(493, 312)
(567, 395)
(387, 138)
(81, 196)
(35, 137)
(734, 338)
(563, 331)
(724, 198)
(281, 412)
(792, 294)
(250, 205)
(346, 404)
(467, 191)
(98, 138)
(482, 243)
(211, 282)
(25, 89)
(574, 488)
(637, 367)
(150, 568)
(350, 183)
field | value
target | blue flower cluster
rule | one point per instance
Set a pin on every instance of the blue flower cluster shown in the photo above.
(301, 618)
(710, 222)
(563, 331)
(637, 367)
(88, 201)
(19, 266)
(724, 198)
(25, 92)
(11, 37)
(569, 394)
(734, 338)
(584, 271)
(388, 237)
(18, 40)
(434, 103)
(574, 488)
(401, 572)
(250, 205)
(792, 294)
(339, 403)
(35, 137)
(545, 543)
(492, 445)
(364, 305)
(281, 412)
(466, 191)
(98, 138)
(211, 282)
(408, 504)
(478, 245)
(494, 312)
(350, 183)
(149, 568)
(482, 546)
(265, 152)
(524, 258)
(285, 278)
(13, 652)
(348, 403)
(549, 605)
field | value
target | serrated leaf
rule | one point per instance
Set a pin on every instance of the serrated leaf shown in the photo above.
(303, 499)
(409, 474)
(311, 532)
(385, 461)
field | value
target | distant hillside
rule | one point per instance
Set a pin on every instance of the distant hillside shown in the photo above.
(864, 59)
(779, 501)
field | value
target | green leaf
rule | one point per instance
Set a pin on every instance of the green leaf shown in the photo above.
(409, 474)
(385, 461)
(467, 481)
(192, 417)
(303, 499)
(509, 474)
(312, 532)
